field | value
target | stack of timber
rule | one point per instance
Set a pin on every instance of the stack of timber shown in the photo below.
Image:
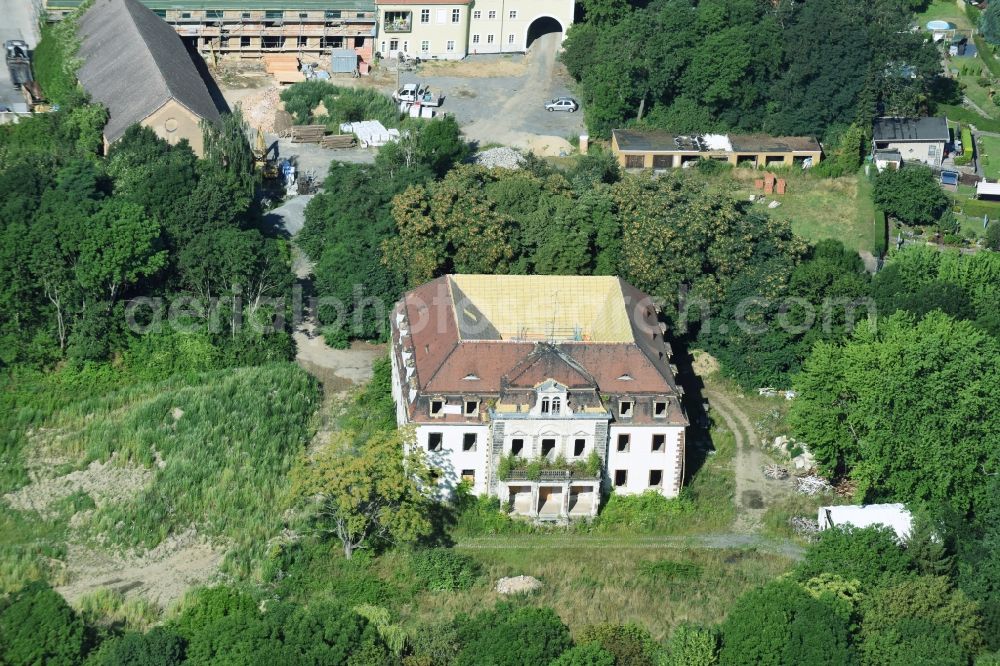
(284, 67)
(307, 133)
(334, 141)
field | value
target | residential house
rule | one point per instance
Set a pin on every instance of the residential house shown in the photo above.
(636, 149)
(571, 372)
(910, 140)
(135, 65)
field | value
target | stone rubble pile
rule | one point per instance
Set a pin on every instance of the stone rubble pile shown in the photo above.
(505, 158)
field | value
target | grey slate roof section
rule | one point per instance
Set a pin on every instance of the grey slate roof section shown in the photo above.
(910, 129)
(133, 62)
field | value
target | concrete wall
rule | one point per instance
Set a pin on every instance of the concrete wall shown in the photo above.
(640, 458)
(917, 152)
(451, 460)
(173, 122)
(434, 34)
(674, 160)
(510, 33)
(564, 431)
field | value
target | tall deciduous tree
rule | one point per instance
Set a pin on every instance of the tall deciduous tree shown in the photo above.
(911, 195)
(368, 495)
(902, 408)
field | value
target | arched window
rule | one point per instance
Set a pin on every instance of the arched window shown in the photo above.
(545, 405)
(555, 405)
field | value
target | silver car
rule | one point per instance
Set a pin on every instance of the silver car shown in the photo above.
(562, 104)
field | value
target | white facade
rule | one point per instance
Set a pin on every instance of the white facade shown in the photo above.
(502, 26)
(640, 459)
(447, 449)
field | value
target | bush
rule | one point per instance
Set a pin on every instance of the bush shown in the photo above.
(646, 512)
(691, 646)
(444, 570)
(630, 644)
(588, 654)
(512, 636)
(38, 627)
(866, 555)
(993, 235)
(158, 647)
(670, 570)
(782, 624)
(202, 607)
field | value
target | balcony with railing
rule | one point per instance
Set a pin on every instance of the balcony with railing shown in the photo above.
(398, 22)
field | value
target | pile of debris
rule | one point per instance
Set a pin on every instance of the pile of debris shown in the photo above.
(260, 109)
(518, 585)
(504, 158)
(804, 526)
(812, 485)
(775, 472)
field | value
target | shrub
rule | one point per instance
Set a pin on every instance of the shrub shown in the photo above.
(38, 627)
(866, 555)
(110, 608)
(630, 644)
(782, 624)
(512, 636)
(670, 570)
(646, 511)
(157, 647)
(588, 654)
(204, 606)
(691, 646)
(444, 570)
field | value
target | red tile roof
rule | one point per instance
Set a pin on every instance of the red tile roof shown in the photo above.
(447, 365)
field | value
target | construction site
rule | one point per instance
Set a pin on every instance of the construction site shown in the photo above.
(229, 29)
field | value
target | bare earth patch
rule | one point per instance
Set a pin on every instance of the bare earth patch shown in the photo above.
(106, 483)
(161, 576)
(477, 67)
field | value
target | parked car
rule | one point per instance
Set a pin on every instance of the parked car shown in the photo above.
(562, 104)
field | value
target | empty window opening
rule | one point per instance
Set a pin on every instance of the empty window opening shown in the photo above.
(655, 478)
(332, 13)
(578, 446)
(469, 441)
(244, 42)
(273, 13)
(435, 441)
(623, 443)
(548, 447)
(303, 41)
(471, 407)
(621, 477)
(469, 476)
(331, 42)
(272, 42)
(625, 408)
(516, 447)
(303, 15)
(660, 409)
(437, 406)
(659, 443)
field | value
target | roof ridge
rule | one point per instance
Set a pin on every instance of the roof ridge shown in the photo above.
(131, 6)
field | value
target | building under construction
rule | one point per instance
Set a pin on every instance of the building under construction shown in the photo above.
(254, 28)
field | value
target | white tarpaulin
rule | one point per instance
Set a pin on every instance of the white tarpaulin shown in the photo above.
(988, 189)
(370, 132)
(894, 516)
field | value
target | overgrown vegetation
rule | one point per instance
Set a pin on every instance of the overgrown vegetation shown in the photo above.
(343, 105)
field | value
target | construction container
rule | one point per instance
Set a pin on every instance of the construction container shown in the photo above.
(343, 61)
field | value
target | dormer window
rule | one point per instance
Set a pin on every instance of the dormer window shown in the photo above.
(660, 409)
(437, 407)
(471, 407)
(625, 408)
(555, 405)
(545, 405)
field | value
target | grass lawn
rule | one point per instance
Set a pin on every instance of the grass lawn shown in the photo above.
(989, 148)
(945, 10)
(821, 208)
(616, 582)
(979, 95)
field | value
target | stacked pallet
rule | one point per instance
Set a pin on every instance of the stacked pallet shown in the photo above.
(284, 67)
(335, 141)
(308, 133)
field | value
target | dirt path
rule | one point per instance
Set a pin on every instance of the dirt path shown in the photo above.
(616, 542)
(753, 491)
